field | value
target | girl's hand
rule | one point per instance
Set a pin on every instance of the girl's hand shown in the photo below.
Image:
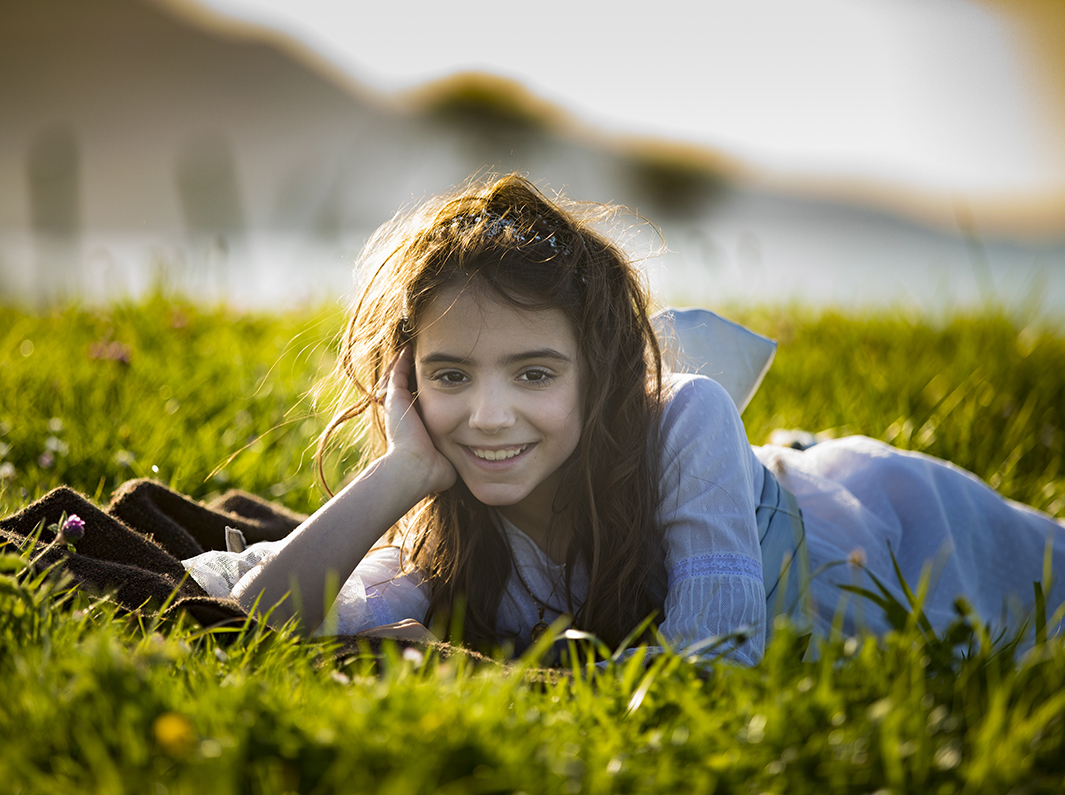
(406, 433)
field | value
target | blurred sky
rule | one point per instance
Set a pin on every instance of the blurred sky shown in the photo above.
(951, 96)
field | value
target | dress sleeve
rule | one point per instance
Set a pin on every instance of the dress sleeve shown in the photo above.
(713, 560)
(378, 591)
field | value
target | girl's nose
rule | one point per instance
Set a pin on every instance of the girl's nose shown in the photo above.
(490, 411)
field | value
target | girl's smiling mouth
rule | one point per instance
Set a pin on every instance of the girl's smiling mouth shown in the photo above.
(494, 455)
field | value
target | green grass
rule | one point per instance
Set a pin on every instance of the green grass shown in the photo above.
(161, 389)
(94, 701)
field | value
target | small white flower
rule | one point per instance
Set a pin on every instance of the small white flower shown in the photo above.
(414, 656)
(56, 445)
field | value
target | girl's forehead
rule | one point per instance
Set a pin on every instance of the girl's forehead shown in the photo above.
(477, 318)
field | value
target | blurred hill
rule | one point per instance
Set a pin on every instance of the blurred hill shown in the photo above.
(139, 137)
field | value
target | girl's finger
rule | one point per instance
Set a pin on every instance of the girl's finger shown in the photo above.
(399, 369)
(389, 379)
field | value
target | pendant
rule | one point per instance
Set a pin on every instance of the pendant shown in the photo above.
(538, 630)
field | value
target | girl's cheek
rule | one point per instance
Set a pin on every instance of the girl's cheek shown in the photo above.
(434, 414)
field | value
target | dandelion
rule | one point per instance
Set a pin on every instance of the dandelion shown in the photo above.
(72, 531)
(856, 557)
(174, 733)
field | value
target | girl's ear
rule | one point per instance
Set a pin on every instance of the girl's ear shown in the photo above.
(404, 332)
(404, 338)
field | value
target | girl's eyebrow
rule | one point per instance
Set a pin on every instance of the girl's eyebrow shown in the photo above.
(537, 353)
(443, 357)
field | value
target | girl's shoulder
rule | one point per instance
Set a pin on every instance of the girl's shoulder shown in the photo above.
(700, 419)
(695, 398)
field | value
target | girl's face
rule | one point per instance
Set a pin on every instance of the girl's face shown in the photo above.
(499, 392)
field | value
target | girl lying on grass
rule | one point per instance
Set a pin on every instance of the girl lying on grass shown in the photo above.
(531, 458)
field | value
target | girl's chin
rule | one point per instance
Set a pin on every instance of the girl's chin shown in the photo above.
(497, 497)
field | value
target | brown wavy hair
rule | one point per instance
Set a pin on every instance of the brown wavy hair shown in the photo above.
(503, 236)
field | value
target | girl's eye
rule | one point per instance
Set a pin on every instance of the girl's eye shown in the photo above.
(450, 377)
(538, 377)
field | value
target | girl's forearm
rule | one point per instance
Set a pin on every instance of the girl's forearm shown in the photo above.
(302, 578)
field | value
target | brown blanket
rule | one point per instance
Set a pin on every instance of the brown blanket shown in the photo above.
(133, 549)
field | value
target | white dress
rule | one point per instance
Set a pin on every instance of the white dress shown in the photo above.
(859, 498)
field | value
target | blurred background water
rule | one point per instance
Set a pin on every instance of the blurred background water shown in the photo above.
(858, 153)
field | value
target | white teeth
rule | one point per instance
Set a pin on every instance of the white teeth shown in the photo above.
(498, 455)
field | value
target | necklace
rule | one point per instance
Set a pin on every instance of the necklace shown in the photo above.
(541, 626)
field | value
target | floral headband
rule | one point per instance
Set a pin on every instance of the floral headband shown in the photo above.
(540, 232)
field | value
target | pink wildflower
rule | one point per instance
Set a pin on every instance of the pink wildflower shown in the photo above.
(112, 351)
(72, 531)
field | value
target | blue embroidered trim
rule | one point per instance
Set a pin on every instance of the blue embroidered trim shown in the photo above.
(711, 565)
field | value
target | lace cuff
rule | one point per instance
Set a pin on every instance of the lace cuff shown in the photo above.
(701, 607)
(219, 572)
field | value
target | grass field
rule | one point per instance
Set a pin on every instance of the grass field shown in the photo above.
(205, 399)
